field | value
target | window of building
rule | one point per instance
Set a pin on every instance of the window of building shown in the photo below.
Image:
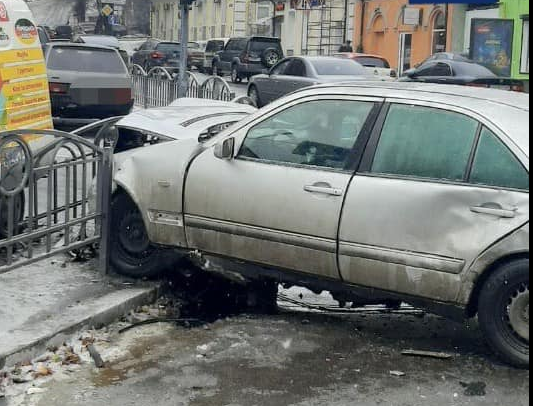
(524, 64)
(425, 142)
(439, 33)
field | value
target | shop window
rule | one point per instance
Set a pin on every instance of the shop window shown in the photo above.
(439, 34)
(524, 64)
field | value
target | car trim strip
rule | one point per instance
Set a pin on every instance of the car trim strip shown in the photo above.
(248, 231)
(402, 257)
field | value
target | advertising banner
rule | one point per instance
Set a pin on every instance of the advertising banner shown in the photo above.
(492, 44)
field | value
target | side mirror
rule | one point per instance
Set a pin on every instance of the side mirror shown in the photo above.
(225, 149)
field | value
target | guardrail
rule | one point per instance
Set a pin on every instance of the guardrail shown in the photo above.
(48, 180)
(160, 87)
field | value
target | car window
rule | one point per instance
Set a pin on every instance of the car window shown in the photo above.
(319, 133)
(260, 45)
(426, 69)
(372, 62)
(337, 67)
(425, 142)
(233, 45)
(87, 60)
(441, 69)
(281, 67)
(169, 47)
(296, 68)
(495, 165)
(214, 46)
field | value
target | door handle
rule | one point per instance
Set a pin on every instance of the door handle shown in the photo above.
(495, 209)
(323, 190)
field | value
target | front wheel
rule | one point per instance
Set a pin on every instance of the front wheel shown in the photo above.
(253, 93)
(504, 312)
(132, 253)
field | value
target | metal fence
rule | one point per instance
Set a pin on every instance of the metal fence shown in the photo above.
(160, 87)
(49, 181)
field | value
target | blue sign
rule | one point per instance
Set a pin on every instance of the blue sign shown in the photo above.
(492, 44)
(454, 1)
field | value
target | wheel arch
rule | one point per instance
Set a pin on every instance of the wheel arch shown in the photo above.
(472, 307)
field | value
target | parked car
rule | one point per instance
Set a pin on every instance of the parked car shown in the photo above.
(64, 32)
(376, 65)
(103, 40)
(296, 73)
(461, 73)
(212, 47)
(196, 55)
(406, 191)
(156, 53)
(445, 56)
(246, 57)
(132, 43)
(88, 81)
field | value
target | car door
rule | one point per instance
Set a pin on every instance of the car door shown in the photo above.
(296, 78)
(435, 190)
(269, 86)
(279, 200)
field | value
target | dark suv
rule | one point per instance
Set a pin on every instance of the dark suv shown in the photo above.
(246, 57)
(155, 53)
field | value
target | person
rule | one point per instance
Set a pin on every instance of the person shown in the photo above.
(346, 47)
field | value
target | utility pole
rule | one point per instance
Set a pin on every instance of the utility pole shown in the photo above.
(183, 83)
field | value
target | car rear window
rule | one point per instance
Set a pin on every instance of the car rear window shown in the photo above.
(473, 69)
(338, 67)
(259, 45)
(85, 60)
(373, 62)
(168, 47)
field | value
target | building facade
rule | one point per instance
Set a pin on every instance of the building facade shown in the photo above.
(518, 10)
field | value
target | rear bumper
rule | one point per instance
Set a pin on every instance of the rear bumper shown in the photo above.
(64, 107)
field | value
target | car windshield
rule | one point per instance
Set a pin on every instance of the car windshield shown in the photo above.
(337, 67)
(85, 60)
(260, 45)
(169, 47)
(106, 41)
(373, 62)
(473, 69)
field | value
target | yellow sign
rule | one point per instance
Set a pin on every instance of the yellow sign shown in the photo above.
(107, 10)
(22, 71)
(21, 55)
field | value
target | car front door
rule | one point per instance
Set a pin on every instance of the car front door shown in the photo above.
(435, 190)
(278, 201)
(296, 78)
(272, 86)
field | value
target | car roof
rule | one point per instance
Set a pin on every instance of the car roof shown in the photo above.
(360, 55)
(508, 111)
(61, 44)
(185, 117)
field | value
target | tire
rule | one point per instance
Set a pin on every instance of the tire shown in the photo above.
(132, 253)
(235, 77)
(20, 202)
(504, 312)
(271, 57)
(253, 93)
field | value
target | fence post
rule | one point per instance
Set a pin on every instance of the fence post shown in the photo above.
(105, 220)
(145, 91)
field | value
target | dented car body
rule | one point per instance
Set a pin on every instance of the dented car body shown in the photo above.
(412, 192)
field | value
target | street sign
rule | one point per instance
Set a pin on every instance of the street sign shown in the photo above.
(454, 1)
(107, 10)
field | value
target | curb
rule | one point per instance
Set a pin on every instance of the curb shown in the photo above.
(102, 317)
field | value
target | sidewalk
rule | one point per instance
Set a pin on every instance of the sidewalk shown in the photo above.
(42, 305)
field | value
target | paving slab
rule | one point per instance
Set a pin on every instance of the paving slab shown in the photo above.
(44, 304)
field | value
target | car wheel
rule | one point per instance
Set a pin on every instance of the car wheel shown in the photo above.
(235, 77)
(253, 93)
(217, 71)
(132, 253)
(504, 312)
(19, 215)
(271, 57)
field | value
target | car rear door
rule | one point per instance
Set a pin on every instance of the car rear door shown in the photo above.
(435, 190)
(279, 200)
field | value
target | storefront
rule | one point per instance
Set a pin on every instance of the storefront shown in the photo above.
(518, 11)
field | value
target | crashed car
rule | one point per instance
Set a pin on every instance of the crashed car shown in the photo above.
(410, 192)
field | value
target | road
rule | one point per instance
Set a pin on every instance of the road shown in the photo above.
(51, 12)
(295, 358)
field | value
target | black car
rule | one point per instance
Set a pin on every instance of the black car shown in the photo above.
(246, 57)
(64, 32)
(460, 72)
(156, 53)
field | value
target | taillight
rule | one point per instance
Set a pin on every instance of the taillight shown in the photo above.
(157, 55)
(59, 88)
(518, 88)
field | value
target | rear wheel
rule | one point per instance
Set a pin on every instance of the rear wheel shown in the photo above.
(235, 77)
(132, 253)
(253, 93)
(504, 312)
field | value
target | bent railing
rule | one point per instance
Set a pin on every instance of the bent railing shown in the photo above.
(55, 191)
